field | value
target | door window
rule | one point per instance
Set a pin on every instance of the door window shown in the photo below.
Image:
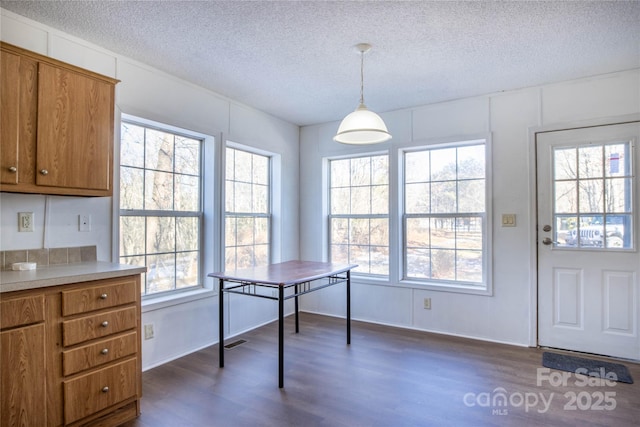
(593, 196)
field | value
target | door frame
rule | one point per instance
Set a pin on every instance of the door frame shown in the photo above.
(533, 202)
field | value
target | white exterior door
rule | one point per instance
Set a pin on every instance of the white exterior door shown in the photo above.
(588, 258)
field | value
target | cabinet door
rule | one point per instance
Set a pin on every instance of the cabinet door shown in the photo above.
(75, 130)
(23, 377)
(10, 90)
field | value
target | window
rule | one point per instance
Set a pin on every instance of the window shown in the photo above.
(359, 213)
(593, 206)
(160, 206)
(444, 221)
(248, 209)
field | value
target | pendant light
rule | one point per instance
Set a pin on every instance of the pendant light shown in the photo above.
(363, 126)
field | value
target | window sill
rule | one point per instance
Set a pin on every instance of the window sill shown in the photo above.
(410, 284)
(157, 303)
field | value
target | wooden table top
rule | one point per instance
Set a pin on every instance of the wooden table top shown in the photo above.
(285, 273)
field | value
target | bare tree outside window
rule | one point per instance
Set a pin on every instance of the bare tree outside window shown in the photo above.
(160, 207)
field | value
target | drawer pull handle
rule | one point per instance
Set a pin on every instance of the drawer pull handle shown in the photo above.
(104, 351)
(13, 169)
(44, 172)
(104, 324)
(105, 389)
(103, 296)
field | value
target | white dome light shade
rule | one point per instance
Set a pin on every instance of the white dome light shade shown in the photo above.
(363, 126)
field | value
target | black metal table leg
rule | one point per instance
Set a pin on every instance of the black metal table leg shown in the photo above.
(349, 307)
(221, 323)
(297, 319)
(281, 337)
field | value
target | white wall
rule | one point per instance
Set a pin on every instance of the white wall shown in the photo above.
(509, 315)
(190, 323)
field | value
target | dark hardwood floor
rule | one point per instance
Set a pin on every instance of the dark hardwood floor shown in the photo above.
(387, 377)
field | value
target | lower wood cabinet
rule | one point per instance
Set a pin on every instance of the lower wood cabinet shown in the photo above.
(70, 355)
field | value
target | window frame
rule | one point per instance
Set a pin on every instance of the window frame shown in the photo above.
(388, 216)
(271, 159)
(486, 286)
(143, 213)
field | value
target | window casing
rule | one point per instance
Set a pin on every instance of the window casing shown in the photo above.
(247, 209)
(359, 213)
(161, 206)
(444, 224)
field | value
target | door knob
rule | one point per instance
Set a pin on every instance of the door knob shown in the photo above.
(546, 228)
(548, 241)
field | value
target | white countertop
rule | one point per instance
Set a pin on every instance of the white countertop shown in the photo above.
(64, 274)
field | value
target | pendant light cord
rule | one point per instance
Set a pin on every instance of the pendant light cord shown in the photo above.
(361, 77)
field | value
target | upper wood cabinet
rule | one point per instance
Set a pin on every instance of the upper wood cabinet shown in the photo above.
(57, 126)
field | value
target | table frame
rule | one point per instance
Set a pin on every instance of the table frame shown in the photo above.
(247, 282)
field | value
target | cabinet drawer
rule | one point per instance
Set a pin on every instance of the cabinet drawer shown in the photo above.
(21, 311)
(109, 294)
(92, 355)
(93, 392)
(98, 325)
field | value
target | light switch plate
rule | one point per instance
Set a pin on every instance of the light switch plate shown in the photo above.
(508, 220)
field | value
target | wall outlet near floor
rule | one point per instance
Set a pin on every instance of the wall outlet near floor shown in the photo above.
(25, 221)
(427, 303)
(148, 331)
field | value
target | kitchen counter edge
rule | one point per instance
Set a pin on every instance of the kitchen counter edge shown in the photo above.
(64, 274)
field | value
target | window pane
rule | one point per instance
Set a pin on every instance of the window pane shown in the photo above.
(243, 166)
(471, 162)
(380, 260)
(359, 231)
(244, 231)
(379, 232)
(262, 231)
(159, 150)
(339, 230)
(261, 170)
(340, 201)
(591, 195)
(380, 199)
(361, 200)
(260, 199)
(161, 273)
(443, 264)
(187, 193)
(565, 163)
(131, 188)
(132, 235)
(443, 197)
(187, 156)
(340, 176)
(361, 171)
(618, 195)
(132, 145)
(443, 164)
(380, 170)
(566, 197)
(158, 190)
(618, 160)
(418, 263)
(243, 197)
(471, 196)
(161, 234)
(186, 269)
(418, 232)
(443, 233)
(417, 198)
(590, 162)
(469, 266)
(417, 166)
(469, 233)
(230, 231)
(187, 234)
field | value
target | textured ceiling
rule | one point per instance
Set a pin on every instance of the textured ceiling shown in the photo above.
(295, 59)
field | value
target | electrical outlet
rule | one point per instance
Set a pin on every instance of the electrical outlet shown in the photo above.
(148, 331)
(25, 221)
(84, 222)
(427, 303)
